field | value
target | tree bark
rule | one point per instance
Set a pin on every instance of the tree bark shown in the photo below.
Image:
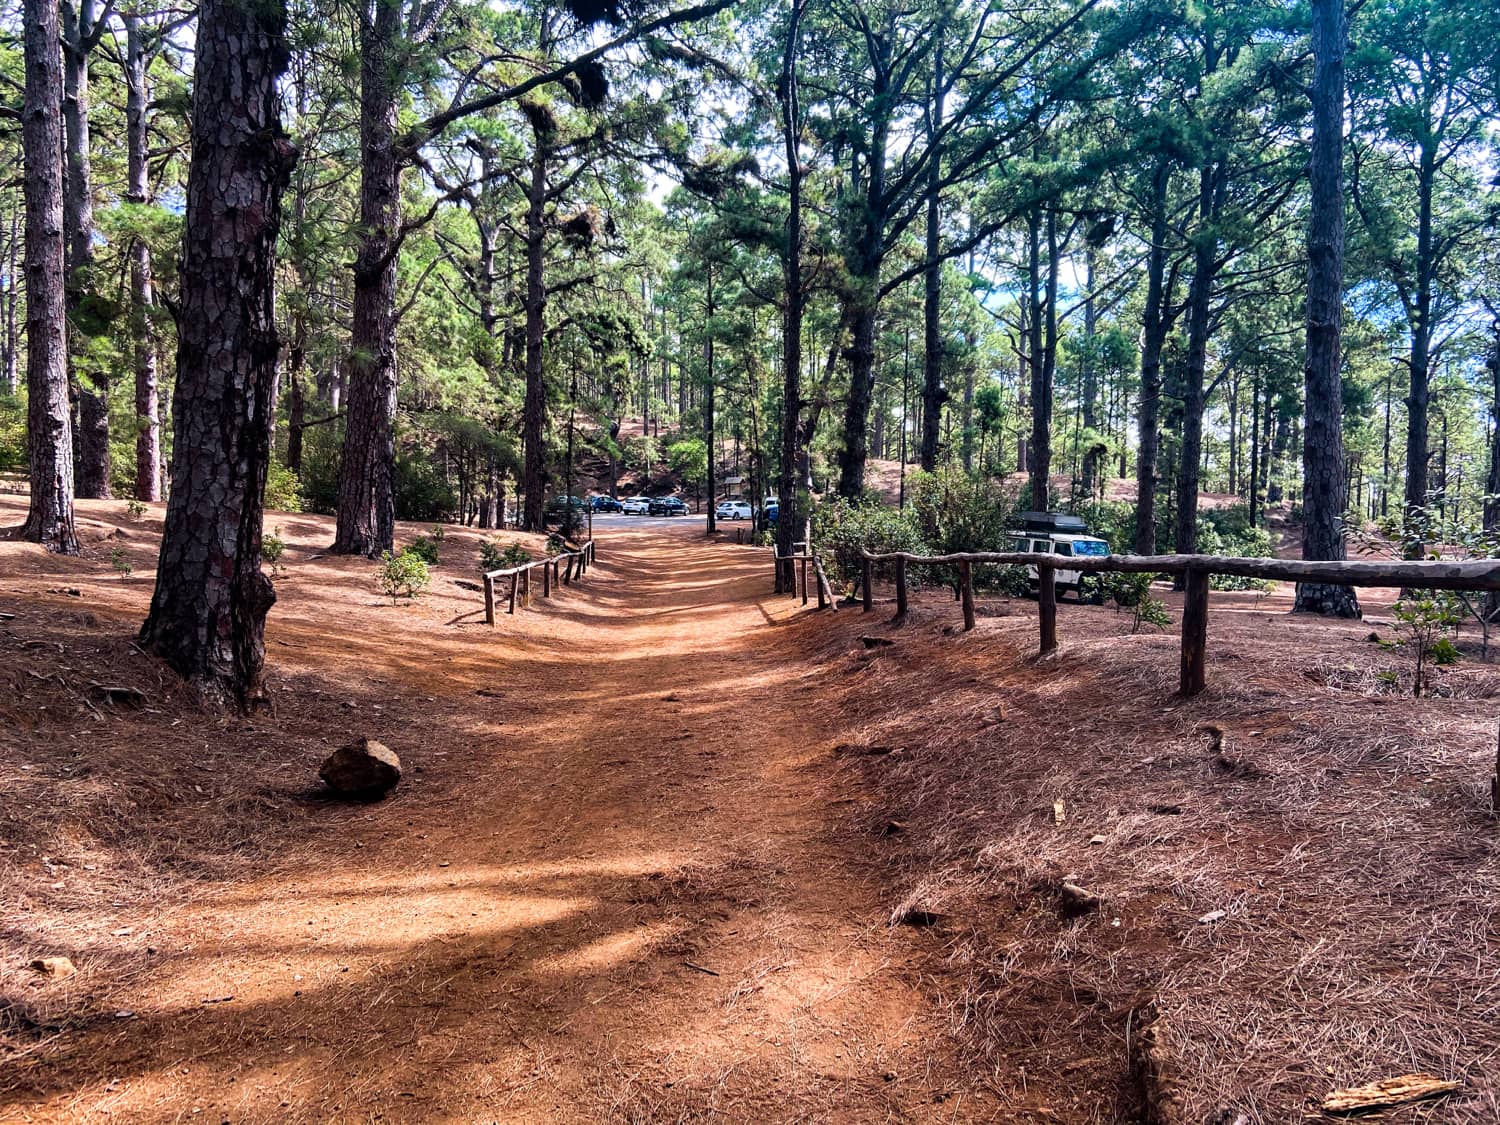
(1420, 356)
(1155, 326)
(934, 393)
(79, 36)
(534, 411)
(366, 500)
(1324, 488)
(49, 518)
(208, 612)
(142, 290)
(795, 295)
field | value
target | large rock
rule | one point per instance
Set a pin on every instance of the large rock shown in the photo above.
(362, 769)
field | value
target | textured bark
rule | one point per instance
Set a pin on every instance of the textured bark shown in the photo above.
(934, 393)
(10, 370)
(1155, 326)
(367, 499)
(80, 28)
(1324, 494)
(49, 519)
(534, 410)
(708, 405)
(796, 295)
(208, 613)
(864, 300)
(142, 291)
(1212, 184)
(1042, 355)
(1419, 360)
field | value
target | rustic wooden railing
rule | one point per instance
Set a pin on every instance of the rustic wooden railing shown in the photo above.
(1483, 574)
(557, 570)
(788, 570)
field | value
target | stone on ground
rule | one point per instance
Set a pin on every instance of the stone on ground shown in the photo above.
(365, 768)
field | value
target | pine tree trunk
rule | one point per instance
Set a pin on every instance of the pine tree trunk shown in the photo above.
(934, 393)
(366, 501)
(1324, 489)
(1420, 357)
(142, 291)
(12, 366)
(79, 21)
(534, 411)
(49, 437)
(796, 295)
(208, 612)
(1155, 327)
(1211, 187)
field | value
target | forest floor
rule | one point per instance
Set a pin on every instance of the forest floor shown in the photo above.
(657, 835)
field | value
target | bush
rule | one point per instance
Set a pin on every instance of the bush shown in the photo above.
(845, 529)
(1423, 622)
(135, 509)
(403, 575)
(121, 563)
(283, 489)
(12, 434)
(957, 511)
(492, 557)
(1230, 531)
(421, 492)
(272, 547)
(425, 547)
(1133, 592)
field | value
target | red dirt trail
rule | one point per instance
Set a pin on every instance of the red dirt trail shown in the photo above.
(614, 885)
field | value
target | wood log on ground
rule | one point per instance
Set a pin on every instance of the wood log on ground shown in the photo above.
(1388, 1092)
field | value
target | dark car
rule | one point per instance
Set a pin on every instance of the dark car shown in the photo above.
(667, 506)
(606, 504)
(559, 506)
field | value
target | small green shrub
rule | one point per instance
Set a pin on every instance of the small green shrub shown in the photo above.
(283, 489)
(492, 557)
(1424, 622)
(1133, 592)
(272, 547)
(424, 547)
(121, 562)
(843, 530)
(135, 509)
(403, 575)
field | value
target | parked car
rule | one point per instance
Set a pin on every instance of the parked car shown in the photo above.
(605, 504)
(560, 504)
(1053, 533)
(666, 506)
(732, 510)
(636, 505)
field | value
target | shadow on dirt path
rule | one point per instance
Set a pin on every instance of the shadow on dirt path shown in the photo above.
(615, 889)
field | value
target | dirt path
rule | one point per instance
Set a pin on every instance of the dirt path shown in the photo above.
(615, 887)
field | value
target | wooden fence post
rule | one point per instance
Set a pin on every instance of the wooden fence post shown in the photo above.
(966, 589)
(1047, 602)
(1194, 632)
(526, 587)
(804, 579)
(515, 580)
(866, 573)
(822, 601)
(547, 579)
(900, 587)
(489, 600)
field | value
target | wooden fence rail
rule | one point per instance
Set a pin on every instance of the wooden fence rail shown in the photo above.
(1480, 574)
(787, 571)
(557, 570)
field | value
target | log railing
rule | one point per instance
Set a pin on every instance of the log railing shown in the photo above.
(789, 567)
(1480, 574)
(557, 570)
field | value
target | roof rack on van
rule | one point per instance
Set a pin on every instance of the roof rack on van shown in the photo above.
(1049, 522)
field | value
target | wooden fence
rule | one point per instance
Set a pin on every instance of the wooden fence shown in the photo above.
(557, 570)
(788, 568)
(1483, 574)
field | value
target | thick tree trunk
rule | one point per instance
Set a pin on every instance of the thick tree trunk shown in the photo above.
(1155, 327)
(142, 290)
(1093, 455)
(1211, 187)
(934, 393)
(1420, 356)
(534, 411)
(366, 502)
(708, 404)
(11, 368)
(49, 438)
(79, 36)
(208, 613)
(1324, 488)
(795, 295)
(1043, 354)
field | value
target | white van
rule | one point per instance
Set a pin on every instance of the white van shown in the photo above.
(1052, 533)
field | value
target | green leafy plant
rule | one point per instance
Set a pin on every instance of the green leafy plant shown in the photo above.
(1424, 622)
(272, 547)
(845, 529)
(426, 548)
(121, 563)
(135, 509)
(283, 489)
(1133, 592)
(493, 557)
(403, 575)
